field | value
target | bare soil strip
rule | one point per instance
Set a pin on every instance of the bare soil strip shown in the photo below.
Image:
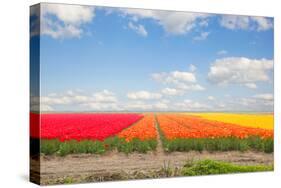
(54, 167)
(159, 148)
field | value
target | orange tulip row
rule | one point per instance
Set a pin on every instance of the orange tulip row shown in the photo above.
(184, 126)
(143, 129)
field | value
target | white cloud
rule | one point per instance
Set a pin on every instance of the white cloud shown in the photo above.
(101, 106)
(105, 96)
(262, 23)
(100, 100)
(173, 22)
(180, 81)
(142, 106)
(46, 108)
(165, 101)
(57, 30)
(211, 98)
(190, 87)
(161, 106)
(235, 22)
(264, 96)
(222, 52)
(68, 19)
(138, 105)
(251, 85)
(202, 36)
(257, 103)
(260, 102)
(143, 95)
(139, 29)
(172, 91)
(246, 22)
(36, 106)
(240, 70)
(190, 105)
(70, 14)
(174, 77)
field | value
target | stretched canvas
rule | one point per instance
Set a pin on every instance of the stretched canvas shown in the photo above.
(126, 93)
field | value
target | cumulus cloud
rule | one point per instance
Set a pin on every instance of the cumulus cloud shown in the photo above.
(262, 23)
(246, 22)
(145, 106)
(143, 95)
(173, 22)
(101, 106)
(46, 108)
(265, 96)
(260, 102)
(251, 85)
(174, 77)
(190, 87)
(172, 91)
(105, 96)
(190, 105)
(256, 103)
(161, 106)
(240, 70)
(179, 80)
(211, 98)
(165, 105)
(64, 21)
(202, 36)
(138, 105)
(138, 28)
(57, 30)
(36, 106)
(100, 100)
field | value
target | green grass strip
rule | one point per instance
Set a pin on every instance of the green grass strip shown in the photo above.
(207, 167)
(54, 146)
(219, 144)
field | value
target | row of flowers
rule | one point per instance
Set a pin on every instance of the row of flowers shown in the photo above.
(79, 126)
(187, 126)
(144, 129)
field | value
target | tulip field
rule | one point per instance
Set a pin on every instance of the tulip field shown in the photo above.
(84, 126)
(181, 132)
(264, 121)
(141, 132)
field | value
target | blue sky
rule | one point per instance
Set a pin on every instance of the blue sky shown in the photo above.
(113, 59)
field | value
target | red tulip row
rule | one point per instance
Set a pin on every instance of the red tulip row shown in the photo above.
(80, 126)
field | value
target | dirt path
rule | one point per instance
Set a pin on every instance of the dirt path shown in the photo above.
(54, 168)
(159, 148)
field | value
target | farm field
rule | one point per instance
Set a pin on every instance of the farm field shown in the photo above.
(83, 126)
(186, 132)
(264, 121)
(97, 133)
(161, 143)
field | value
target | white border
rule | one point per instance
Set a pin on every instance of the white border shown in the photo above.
(14, 82)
